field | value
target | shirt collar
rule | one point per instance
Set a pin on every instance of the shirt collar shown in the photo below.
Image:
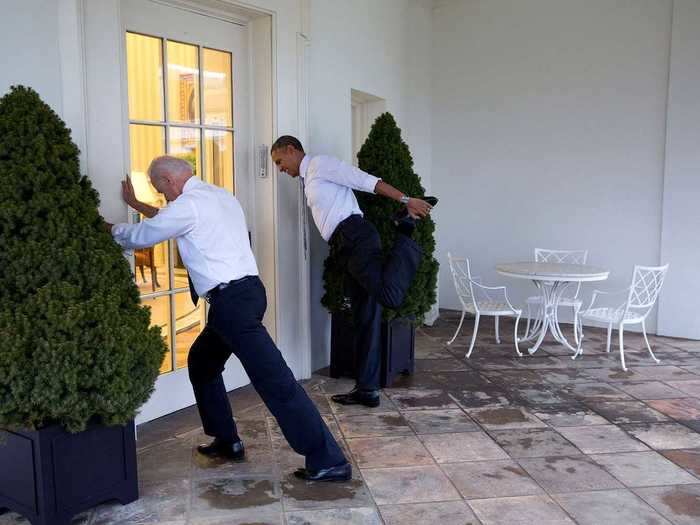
(191, 183)
(304, 166)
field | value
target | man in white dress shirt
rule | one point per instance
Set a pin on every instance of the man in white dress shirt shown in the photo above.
(209, 227)
(373, 280)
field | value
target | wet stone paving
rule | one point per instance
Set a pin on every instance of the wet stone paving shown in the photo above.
(496, 439)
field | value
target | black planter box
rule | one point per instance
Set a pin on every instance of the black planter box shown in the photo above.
(398, 348)
(50, 475)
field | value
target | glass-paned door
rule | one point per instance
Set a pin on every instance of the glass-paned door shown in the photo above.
(180, 103)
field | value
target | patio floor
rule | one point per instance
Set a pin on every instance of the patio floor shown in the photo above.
(493, 440)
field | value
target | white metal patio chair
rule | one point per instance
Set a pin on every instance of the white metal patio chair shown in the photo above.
(568, 299)
(479, 300)
(641, 296)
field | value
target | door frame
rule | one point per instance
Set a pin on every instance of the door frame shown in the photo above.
(172, 390)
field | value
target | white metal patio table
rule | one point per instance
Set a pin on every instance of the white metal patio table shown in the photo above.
(551, 279)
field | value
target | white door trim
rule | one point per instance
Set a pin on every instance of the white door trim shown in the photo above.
(303, 47)
(227, 12)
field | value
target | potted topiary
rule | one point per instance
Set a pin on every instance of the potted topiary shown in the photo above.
(77, 355)
(385, 155)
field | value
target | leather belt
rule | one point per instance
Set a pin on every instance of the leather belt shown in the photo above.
(219, 288)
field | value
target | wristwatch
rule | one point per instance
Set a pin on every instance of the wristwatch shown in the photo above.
(405, 199)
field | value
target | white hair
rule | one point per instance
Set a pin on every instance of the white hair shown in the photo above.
(169, 165)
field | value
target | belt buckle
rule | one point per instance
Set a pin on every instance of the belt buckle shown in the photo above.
(210, 294)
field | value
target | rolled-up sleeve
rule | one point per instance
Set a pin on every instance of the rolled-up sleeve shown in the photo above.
(175, 220)
(346, 175)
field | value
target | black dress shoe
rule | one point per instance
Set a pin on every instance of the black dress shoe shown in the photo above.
(338, 473)
(368, 398)
(235, 451)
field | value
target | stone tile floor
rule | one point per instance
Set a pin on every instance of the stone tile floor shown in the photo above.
(495, 439)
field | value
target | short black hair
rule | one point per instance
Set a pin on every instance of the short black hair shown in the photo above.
(287, 140)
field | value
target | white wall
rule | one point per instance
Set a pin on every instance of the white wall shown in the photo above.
(380, 48)
(28, 30)
(680, 245)
(549, 124)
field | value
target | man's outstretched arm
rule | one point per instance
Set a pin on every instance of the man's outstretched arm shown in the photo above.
(129, 196)
(176, 219)
(416, 207)
(352, 177)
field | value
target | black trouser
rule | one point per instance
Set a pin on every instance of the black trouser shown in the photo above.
(373, 281)
(235, 326)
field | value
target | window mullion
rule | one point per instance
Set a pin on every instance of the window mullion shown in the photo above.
(165, 82)
(173, 303)
(202, 132)
(159, 123)
(165, 97)
(171, 254)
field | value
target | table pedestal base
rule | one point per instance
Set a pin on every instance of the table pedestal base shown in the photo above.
(548, 322)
